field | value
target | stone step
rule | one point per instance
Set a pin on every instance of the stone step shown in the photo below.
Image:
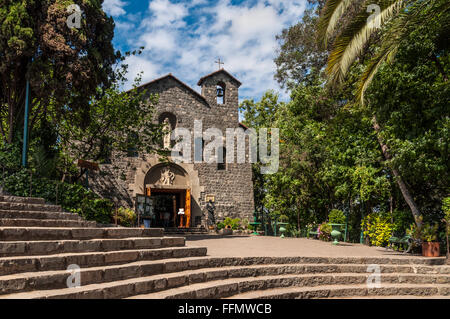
(15, 265)
(92, 275)
(61, 233)
(26, 200)
(193, 230)
(36, 248)
(189, 285)
(29, 207)
(228, 287)
(194, 270)
(354, 291)
(23, 214)
(8, 222)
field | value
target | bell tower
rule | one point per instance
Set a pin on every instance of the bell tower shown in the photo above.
(221, 90)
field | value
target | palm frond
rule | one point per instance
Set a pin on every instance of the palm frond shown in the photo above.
(392, 40)
(385, 55)
(351, 43)
(331, 14)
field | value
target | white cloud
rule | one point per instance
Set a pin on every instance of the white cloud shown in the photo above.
(165, 13)
(136, 65)
(114, 8)
(186, 38)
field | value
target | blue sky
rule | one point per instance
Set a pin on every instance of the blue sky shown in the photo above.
(185, 38)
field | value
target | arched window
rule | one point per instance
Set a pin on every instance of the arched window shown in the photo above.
(220, 89)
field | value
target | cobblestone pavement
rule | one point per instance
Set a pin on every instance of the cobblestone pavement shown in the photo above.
(255, 246)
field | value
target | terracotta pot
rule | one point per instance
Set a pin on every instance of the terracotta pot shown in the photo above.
(430, 249)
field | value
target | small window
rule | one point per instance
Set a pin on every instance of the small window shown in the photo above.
(221, 159)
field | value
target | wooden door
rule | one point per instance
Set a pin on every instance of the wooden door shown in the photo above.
(187, 208)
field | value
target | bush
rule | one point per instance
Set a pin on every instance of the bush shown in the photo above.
(126, 217)
(378, 229)
(325, 232)
(232, 223)
(99, 209)
(220, 226)
(336, 216)
(245, 224)
(429, 232)
(72, 197)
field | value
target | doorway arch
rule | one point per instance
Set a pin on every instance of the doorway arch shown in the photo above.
(169, 188)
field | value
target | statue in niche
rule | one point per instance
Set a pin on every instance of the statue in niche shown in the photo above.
(167, 128)
(167, 177)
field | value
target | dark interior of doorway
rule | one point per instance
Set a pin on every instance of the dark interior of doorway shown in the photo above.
(166, 202)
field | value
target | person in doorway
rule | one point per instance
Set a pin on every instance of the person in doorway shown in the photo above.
(166, 219)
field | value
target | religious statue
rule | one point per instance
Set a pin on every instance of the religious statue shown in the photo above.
(210, 207)
(168, 133)
(167, 177)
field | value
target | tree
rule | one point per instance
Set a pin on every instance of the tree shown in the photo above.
(117, 121)
(299, 52)
(64, 65)
(395, 19)
(398, 18)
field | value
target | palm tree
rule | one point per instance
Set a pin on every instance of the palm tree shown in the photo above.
(363, 20)
(395, 18)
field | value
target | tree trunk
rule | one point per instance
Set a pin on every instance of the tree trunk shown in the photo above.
(401, 184)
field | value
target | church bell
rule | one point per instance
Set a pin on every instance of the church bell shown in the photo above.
(220, 92)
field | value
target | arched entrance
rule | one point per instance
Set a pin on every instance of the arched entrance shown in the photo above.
(170, 192)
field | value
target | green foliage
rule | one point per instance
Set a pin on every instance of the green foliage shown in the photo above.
(220, 225)
(244, 224)
(98, 209)
(336, 216)
(429, 232)
(378, 229)
(126, 217)
(232, 223)
(446, 209)
(325, 232)
(64, 65)
(72, 197)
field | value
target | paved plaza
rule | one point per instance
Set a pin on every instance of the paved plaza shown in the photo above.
(267, 246)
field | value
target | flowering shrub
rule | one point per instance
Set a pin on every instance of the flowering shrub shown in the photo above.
(324, 231)
(378, 228)
(126, 217)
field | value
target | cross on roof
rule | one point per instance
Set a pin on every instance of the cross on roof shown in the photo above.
(219, 63)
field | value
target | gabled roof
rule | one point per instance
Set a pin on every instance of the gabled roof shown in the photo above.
(200, 82)
(177, 80)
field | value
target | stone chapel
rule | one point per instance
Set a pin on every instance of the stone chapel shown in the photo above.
(186, 186)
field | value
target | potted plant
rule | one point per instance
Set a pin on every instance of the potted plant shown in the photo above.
(430, 247)
(282, 223)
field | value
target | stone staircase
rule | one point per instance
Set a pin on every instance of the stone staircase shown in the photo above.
(38, 242)
(37, 247)
(185, 231)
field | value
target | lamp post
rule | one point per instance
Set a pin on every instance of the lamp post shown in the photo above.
(25, 125)
(346, 225)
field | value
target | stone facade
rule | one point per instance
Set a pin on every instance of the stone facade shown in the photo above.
(231, 186)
